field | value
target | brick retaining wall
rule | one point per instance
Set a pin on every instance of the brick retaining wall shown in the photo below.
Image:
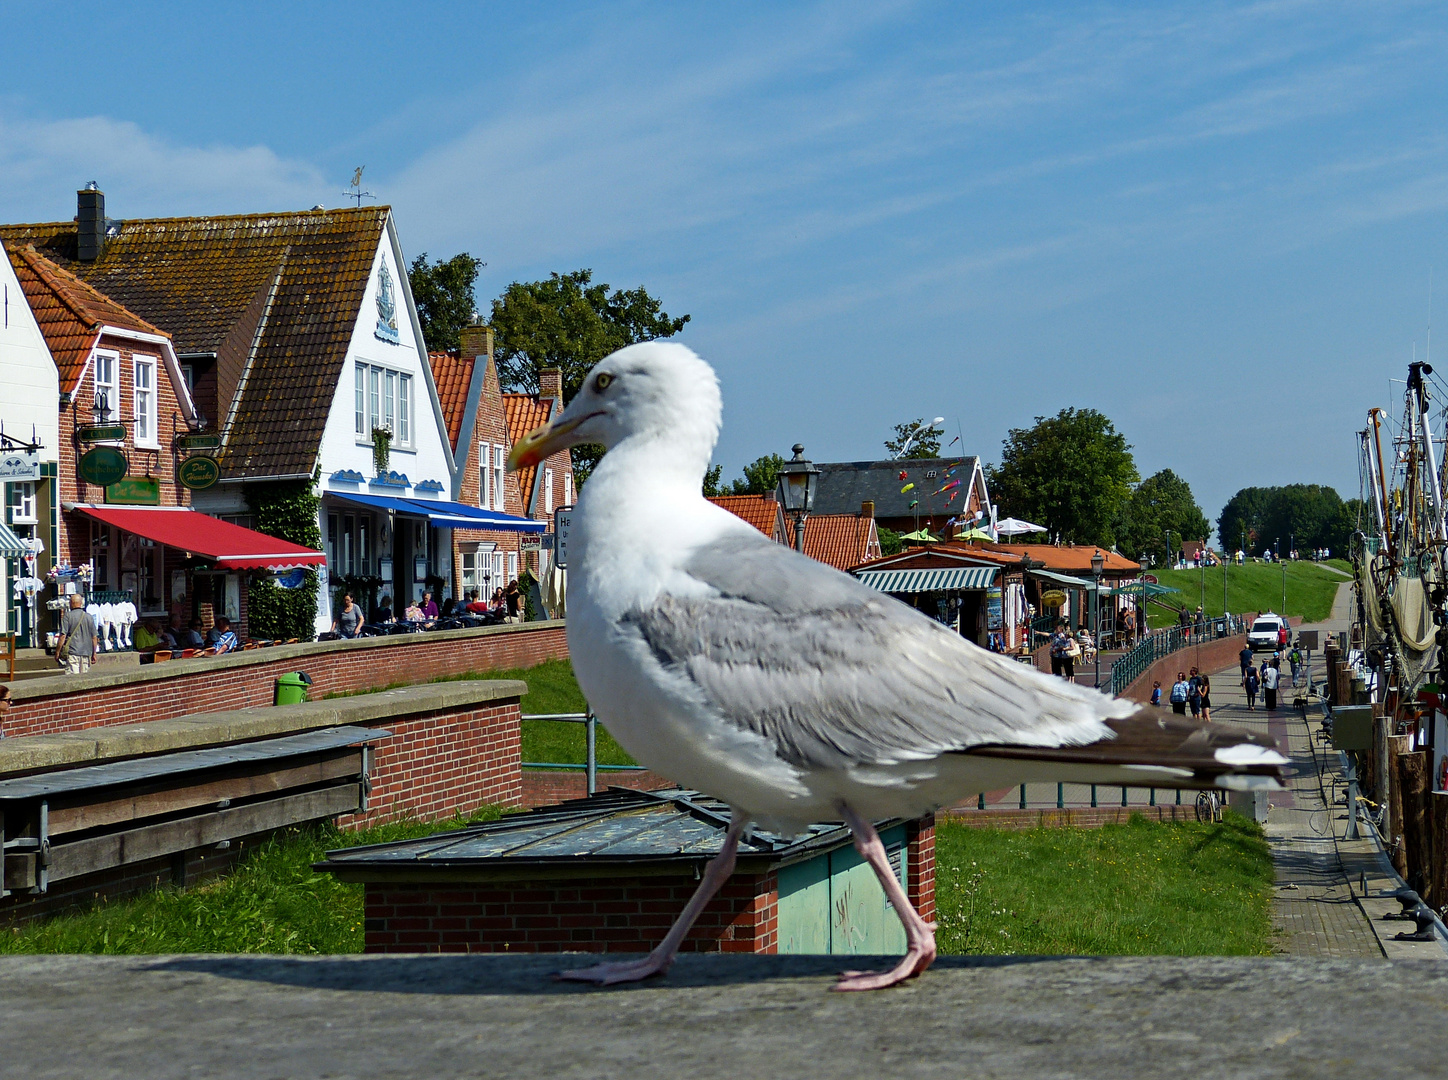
(544, 787)
(1075, 817)
(239, 680)
(1213, 655)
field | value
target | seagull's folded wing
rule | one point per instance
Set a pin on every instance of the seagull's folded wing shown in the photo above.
(837, 675)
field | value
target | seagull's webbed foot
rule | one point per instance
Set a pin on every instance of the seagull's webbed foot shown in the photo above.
(619, 971)
(919, 956)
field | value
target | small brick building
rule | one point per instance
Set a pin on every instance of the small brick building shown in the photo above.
(611, 873)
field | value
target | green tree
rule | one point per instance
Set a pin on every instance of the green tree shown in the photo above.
(1161, 503)
(890, 542)
(760, 476)
(924, 441)
(712, 487)
(443, 293)
(570, 323)
(1071, 472)
(1299, 515)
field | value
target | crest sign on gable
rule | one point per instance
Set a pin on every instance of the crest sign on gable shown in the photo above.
(386, 306)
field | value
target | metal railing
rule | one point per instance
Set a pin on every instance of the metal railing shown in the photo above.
(1161, 643)
(590, 764)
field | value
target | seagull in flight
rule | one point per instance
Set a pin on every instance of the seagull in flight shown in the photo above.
(737, 666)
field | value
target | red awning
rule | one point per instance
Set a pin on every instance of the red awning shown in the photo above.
(229, 546)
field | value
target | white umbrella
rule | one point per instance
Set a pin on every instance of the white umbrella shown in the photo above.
(1015, 527)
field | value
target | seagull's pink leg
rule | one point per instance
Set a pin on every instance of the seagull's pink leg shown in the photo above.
(658, 961)
(919, 934)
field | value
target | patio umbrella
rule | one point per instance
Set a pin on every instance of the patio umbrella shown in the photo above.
(974, 534)
(1015, 527)
(921, 536)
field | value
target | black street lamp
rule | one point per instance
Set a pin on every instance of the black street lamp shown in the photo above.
(795, 490)
(1097, 562)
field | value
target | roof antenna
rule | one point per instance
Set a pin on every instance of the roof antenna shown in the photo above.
(354, 191)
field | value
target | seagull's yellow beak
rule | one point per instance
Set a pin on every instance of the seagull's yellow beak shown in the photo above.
(544, 441)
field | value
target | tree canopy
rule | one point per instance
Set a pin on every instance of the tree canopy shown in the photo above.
(568, 322)
(924, 441)
(759, 478)
(1302, 515)
(1160, 504)
(443, 293)
(1071, 472)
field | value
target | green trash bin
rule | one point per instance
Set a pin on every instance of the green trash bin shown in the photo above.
(291, 688)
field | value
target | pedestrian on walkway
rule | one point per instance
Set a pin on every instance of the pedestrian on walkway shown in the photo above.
(79, 639)
(1156, 693)
(1180, 691)
(1194, 692)
(1205, 687)
(1250, 683)
(1295, 659)
(1245, 659)
(1270, 676)
(1062, 662)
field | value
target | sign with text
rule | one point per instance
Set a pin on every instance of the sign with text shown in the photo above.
(102, 465)
(19, 465)
(562, 525)
(198, 473)
(135, 490)
(103, 433)
(199, 442)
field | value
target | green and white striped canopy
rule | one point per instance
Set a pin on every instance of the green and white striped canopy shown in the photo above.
(940, 580)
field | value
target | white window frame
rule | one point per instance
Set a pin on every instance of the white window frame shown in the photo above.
(359, 399)
(22, 503)
(145, 409)
(485, 487)
(110, 362)
(383, 396)
(512, 565)
(500, 459)
(568, 493)
(548, 491)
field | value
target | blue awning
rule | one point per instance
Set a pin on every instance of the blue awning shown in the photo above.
(447, 515)
(917, 581)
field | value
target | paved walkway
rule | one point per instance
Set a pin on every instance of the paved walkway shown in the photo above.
(116, 1018)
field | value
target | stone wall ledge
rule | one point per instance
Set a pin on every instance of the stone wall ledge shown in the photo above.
(95, 679)
(36, 753)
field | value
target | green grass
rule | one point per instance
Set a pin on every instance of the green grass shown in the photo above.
(1252, 587)
(272, 903)
(1142, 889)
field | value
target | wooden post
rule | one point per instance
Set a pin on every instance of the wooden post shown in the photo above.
(1397, 745)
(1413, 781)
(1379, 790)
(1438, 880)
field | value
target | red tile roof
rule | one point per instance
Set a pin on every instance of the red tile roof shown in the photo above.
(1064, 559)
(524, 412)
(759, 510)
(842, 540)
(70, 312)
(453, 374)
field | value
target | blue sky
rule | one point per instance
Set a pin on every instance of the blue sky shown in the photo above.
(1213, 222)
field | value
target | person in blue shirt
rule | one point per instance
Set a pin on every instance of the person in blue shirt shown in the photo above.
(225, 640)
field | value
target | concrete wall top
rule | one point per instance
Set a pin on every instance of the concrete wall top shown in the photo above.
(96, 679)
(32, 753)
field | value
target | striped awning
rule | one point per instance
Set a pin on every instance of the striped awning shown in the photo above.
(11, 545)
(916, 581)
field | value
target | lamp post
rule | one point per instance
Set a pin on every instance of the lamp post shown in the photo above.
(795, 490)
(1097, 562)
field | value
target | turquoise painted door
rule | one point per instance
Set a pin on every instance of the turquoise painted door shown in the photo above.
(834, 905)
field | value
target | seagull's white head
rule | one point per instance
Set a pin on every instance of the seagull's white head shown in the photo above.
(654, 391)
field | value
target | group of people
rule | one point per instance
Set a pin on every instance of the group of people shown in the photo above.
(506, 605)
(1194, 692)
(1066, 650)
(80, 637)
(1268, 676)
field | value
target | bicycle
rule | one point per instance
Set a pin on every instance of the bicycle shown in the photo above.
(1209, 806)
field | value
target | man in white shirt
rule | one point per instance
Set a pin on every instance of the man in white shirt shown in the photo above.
(1270, 677)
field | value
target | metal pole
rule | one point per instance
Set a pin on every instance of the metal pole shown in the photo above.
(1093, 795)
(1352, 800)
(799, 533)
(1123, 796)
(590, 728)
(1060, 795)
(1096, 628)
(1023, 796)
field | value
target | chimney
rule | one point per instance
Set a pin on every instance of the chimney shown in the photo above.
(477, 339)
(867, 509)
(550, 382)
(90, 223)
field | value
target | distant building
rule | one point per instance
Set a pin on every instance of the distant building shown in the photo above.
(841, 540)
(931, 492)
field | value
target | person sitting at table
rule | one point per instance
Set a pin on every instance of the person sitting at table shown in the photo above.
(476, 605)
(192, 638)
(384, 610)
(413, 612)
(225, 640)
(146, 637)
(428, 607)
(498, 602)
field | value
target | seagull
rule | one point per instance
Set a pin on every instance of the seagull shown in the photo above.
(740, 667)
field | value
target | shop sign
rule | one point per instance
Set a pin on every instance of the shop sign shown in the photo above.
(532, 543)
(103, 465)
(1053, 598)
(17, 465)
(562, 525)
(103, 433)
(199, 442)
(198, 473)
(135, 490)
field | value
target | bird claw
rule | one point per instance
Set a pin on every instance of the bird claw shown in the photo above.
(621, 971)
(915, 962)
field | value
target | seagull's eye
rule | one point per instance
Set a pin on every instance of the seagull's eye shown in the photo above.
(601, 381)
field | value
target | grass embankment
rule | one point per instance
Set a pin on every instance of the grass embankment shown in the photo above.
(1252, 587)
(1146, 888)
(272, 903)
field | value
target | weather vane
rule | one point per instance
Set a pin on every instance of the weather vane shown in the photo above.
(355, 190)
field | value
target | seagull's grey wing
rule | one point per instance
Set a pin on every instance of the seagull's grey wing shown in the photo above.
(837, 674)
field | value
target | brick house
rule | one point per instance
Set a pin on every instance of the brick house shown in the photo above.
(547, 486)
(939, 489)
(841, 540)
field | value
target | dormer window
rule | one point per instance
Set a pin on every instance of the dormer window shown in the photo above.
(106, 403)
(144, 386)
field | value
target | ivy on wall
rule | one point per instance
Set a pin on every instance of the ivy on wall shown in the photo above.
(286, 509)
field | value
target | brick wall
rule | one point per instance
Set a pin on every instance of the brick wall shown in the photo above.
(181, 687)
(544, 787)
(1073, 817)
(920, 861)
(623, 914)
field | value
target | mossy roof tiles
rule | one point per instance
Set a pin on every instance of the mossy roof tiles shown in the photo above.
(195, 277)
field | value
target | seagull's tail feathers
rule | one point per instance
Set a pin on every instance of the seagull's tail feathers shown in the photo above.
(1152, 746)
